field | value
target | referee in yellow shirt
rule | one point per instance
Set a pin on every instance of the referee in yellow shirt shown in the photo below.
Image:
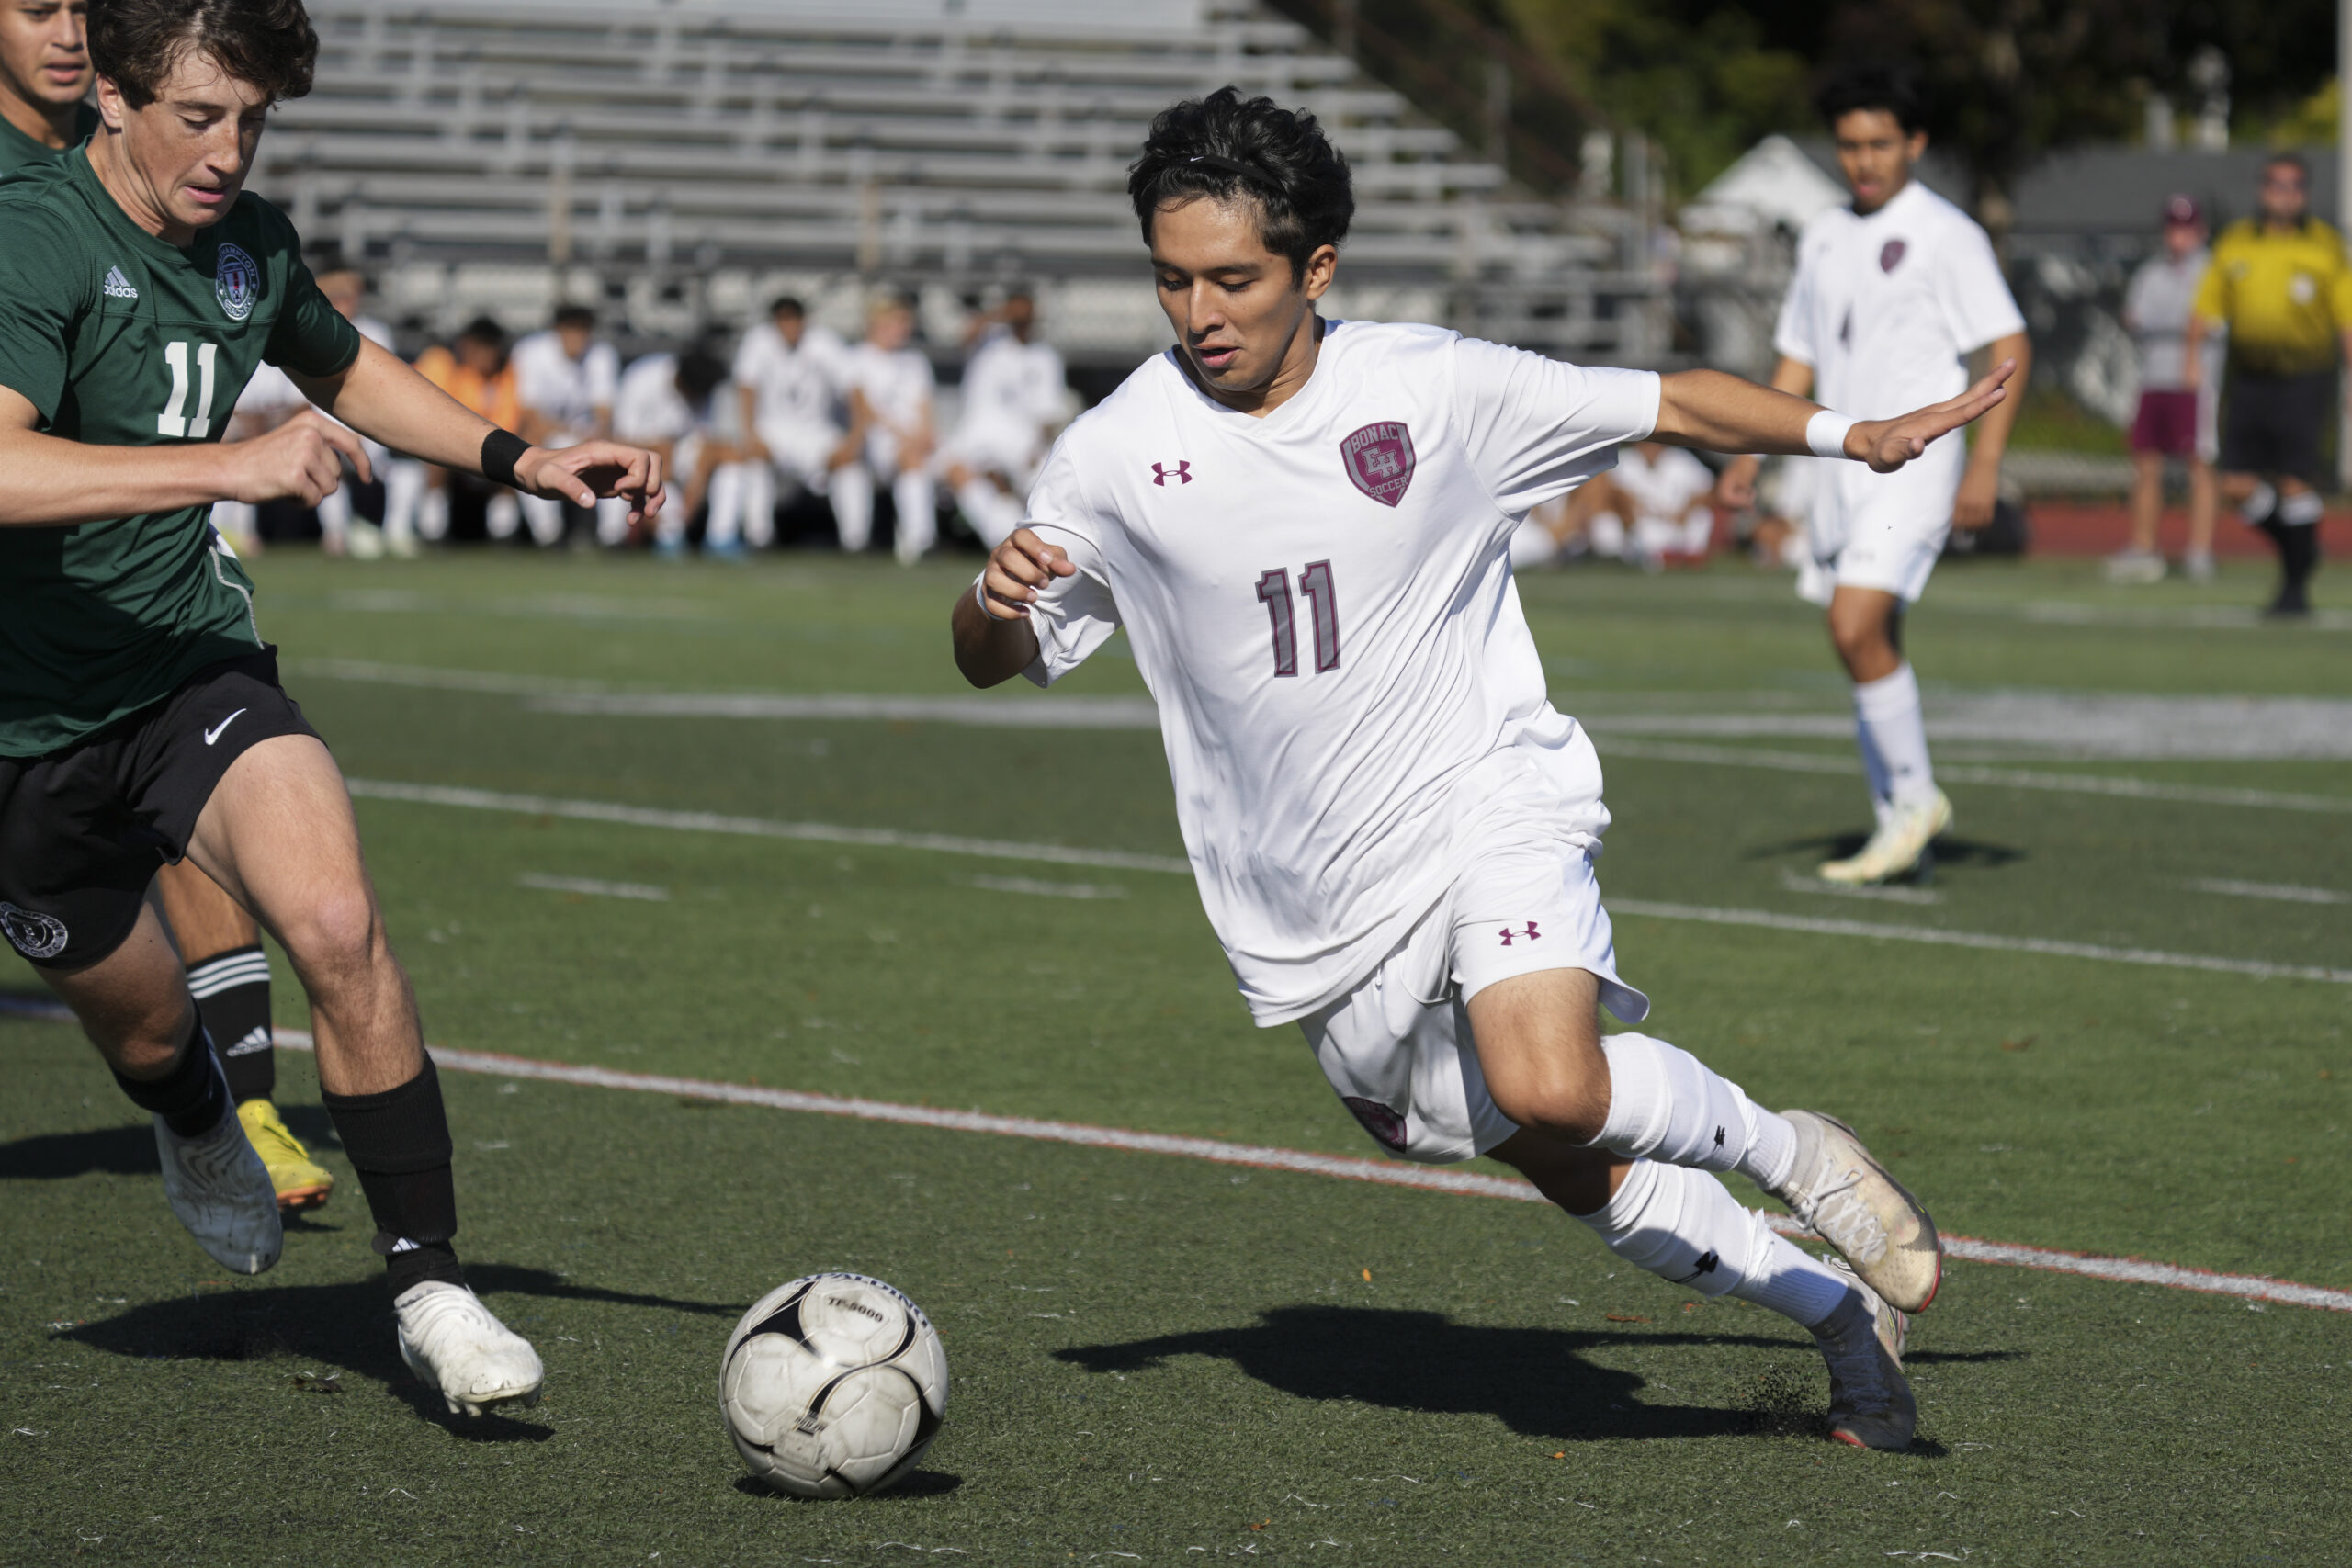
(2281, 287)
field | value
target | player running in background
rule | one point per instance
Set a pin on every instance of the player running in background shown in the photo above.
(44, 81)
(1304, 527)
(1892, 296)
(2175, 412)
(2281, 285)
(141, 721)
(1015, 396)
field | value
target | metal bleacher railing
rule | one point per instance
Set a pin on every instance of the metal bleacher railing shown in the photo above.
(681, 159)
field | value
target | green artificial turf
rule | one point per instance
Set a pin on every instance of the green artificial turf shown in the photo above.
(1153, 1356)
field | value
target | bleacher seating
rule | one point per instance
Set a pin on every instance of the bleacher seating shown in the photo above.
(686, 158)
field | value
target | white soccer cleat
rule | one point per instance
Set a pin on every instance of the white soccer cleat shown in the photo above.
(458, 1345)
(221, 1192)
(2134, 569)
(1871, 1405)
(1896, 848)
(1851, 1201)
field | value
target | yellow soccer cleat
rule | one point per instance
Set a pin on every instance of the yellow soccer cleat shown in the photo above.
(302, 1181)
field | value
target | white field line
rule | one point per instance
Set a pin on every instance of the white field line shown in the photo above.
(2129, 1270)
(1822, 927)
(1048, 889)
(756, 827)
(594, 887)
(2283, 892)
(882, 837)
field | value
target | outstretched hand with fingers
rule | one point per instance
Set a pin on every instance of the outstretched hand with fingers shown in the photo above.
(1887, 444)
(582, 473)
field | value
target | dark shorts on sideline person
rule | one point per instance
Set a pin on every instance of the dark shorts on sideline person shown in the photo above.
(2166, 424)
(82, 830)
(2274, 424)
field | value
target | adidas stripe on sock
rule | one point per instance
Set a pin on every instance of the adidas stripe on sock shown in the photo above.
(232, 992)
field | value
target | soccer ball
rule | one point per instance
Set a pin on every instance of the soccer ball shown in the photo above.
(832, 1386)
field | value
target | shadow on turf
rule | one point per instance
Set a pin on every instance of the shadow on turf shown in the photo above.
(1950, 850)
(1533, 1380)
(49, 1156)
(922, 1483)
(344, 1326)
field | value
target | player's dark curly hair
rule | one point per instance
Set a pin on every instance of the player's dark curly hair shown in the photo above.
(1230, 147)
(268, 43)
(1875, 84)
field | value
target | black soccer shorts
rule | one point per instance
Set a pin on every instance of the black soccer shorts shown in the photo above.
(82, 830)
(2276, 424)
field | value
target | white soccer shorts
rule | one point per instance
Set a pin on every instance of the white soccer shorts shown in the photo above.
(1883, 531)
(1397, 1049)
(799, 450)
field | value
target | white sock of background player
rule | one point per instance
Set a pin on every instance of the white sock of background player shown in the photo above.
(1684, 1227)
(992, 513)
(851, 492)
(1894, 737)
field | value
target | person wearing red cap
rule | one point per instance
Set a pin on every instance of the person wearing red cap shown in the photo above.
(2174, 418)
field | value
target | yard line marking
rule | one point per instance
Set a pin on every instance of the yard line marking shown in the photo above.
(2008, 778)
(2282, 891)
(756, 827)
(1048, 889)
(1217, 1151)
(592, 886)
(1820, 926)
(883, 837)
(1795, 884)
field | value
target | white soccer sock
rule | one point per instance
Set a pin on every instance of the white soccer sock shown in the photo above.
(1666, 1104)
(851, 490)
(2258, 504)
(1887, 718)
(2301, 509)
(1685, 1227)
(992, 513)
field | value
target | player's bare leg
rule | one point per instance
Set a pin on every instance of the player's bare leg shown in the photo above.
(278, 834)
(2140, 561)
(135, 1007)
(1866, 628)
(228, 974)
(1626, 1135)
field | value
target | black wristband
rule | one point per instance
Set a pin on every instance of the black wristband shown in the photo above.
(500, 449)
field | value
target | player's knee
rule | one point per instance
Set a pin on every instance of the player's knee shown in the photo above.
(336, 935)
(1559, 1095)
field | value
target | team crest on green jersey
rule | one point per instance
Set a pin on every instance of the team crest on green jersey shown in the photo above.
(236, 281)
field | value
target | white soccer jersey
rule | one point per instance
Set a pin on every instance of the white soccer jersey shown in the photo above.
(1886, 308)
(565, 391)
(1320, 602)
(1666, 488)
(792, 385)
(897, 383)
(649, 406)
(1012, 393)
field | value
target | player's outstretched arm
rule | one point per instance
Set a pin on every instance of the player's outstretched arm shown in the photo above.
(383, 397)
(1724, 413)
(994, 641)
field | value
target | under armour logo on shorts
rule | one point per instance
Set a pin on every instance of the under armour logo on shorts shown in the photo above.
(1530, 933)
(1182, 473)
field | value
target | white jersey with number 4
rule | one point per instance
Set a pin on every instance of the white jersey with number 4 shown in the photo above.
(1320, 602)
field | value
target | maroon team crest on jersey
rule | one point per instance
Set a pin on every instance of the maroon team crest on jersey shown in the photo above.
(1381, 1123)
(1379, 460)
(1891, 254)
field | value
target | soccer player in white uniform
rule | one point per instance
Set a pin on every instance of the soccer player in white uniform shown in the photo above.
(664, 407)
(1653, 503)
(1304, 526)
(889, 385)
(1890, 296)
(1016, 394)
(788, 383)
(567, 380)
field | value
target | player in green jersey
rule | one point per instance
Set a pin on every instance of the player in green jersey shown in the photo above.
(140, 718)
(45, 112)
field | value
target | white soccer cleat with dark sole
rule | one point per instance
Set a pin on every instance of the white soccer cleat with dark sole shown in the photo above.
(1871, 1404)
(1896, 848)
(220, 1190)
(458, 1345)
(1841, 1194)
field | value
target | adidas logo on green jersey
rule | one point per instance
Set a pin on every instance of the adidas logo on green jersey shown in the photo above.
(118, 285)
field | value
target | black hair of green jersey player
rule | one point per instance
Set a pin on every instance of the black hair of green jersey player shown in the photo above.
(268, 43)
(1866, 85)
(1231, 148)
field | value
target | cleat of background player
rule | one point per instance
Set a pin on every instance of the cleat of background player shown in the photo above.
(300, 1181)
(1871, 1405)
(458, 1345)
(1897, 848)
(1850, 1202)
(218, 1186)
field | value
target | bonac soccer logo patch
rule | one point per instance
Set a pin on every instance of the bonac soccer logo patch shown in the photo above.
(236, 281)
(33, 934)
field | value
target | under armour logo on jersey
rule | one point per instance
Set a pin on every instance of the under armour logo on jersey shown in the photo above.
(1182, 473)
(1530, 933)
(118, 285)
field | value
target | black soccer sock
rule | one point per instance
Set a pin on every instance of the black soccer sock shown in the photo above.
(192, 1096)
(232, 990)
(399, 1143)
(2298, 553)
(2276, 533)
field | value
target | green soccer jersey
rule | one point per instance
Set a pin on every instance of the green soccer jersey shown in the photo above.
(119, 339)
(18, 151)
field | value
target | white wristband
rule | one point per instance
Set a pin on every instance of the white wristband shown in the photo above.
(1826, 432)
(981, 597)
